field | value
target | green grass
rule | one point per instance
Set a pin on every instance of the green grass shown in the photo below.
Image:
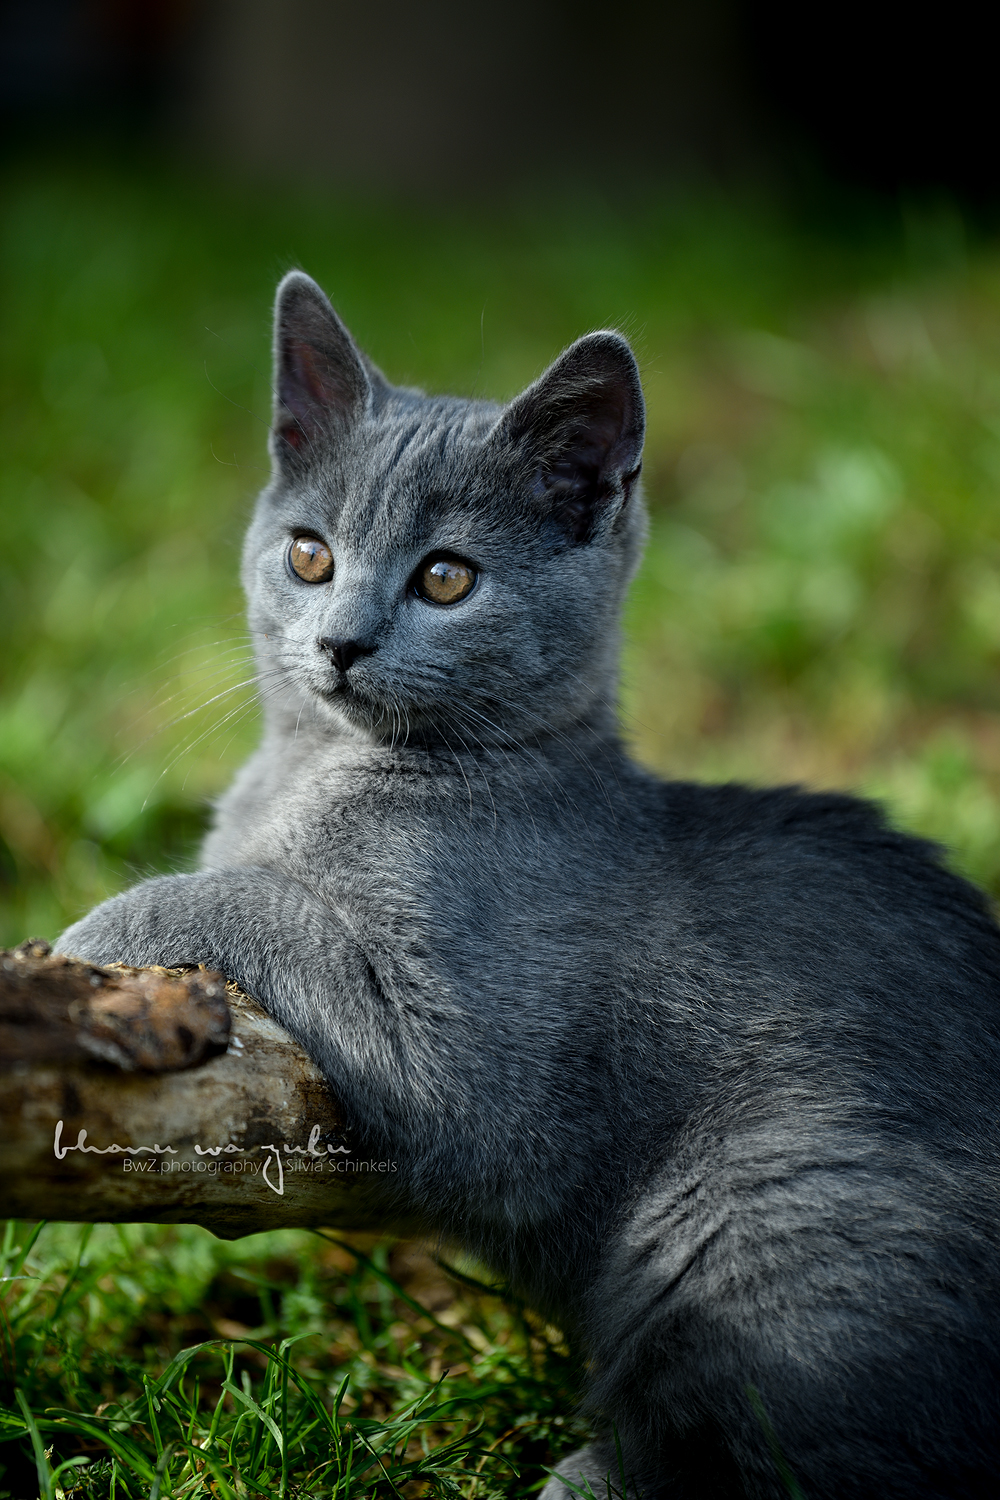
(820, 602)
(145, 1362)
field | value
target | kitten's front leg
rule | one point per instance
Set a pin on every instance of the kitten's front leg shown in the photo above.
(299, 957)
(174, 920)
(277, 940)
(421, 1072)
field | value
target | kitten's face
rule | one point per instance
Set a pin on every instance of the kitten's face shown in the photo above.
(433, 570)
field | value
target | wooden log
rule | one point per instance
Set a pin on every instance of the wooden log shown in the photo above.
(167, 1097)
(59, 1010)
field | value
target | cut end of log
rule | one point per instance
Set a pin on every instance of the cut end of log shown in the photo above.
(55, 1008)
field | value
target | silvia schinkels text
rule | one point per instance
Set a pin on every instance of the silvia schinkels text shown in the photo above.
(216, 1161)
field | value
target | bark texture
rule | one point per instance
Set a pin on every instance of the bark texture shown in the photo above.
(162, 1096)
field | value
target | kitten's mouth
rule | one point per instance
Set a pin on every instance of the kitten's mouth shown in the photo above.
(339, 691)
(366, 709)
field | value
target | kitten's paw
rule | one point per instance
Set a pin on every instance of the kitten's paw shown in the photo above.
(594, 1473)
(157, 922)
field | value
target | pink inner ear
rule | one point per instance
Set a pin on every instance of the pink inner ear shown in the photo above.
(309, 388)
(303, 377)
(303, 392)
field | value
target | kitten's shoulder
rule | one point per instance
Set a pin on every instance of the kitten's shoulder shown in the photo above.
(739, 814)
(826, 842)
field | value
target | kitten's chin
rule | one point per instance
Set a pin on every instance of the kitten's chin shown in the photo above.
(346, 708)
(381, 723)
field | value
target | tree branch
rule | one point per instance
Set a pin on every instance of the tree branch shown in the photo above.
(166, 1096)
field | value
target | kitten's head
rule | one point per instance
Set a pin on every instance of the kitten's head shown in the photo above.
(438, 569)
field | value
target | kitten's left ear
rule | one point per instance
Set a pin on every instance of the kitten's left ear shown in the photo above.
(581, 427)
(321, 379)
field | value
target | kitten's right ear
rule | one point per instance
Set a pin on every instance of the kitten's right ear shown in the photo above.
(321, 382)
(578, 431)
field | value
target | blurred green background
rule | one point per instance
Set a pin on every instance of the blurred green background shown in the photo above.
(820, 600)
(764, 199)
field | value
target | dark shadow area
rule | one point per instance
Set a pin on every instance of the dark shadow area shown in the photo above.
(882, 97)
(448, 100)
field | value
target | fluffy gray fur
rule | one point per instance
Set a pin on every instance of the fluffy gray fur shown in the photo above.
(707, 1074)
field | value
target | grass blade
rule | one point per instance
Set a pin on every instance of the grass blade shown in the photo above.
(45, 1485)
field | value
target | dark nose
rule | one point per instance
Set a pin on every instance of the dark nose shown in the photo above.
(343, 653)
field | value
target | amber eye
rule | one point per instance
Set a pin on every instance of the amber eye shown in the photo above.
(445, 580)
(311, 559)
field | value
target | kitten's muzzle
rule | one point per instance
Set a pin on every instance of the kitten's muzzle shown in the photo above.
(343, 653)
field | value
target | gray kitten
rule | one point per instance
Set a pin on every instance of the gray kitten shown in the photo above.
(710, 1075)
